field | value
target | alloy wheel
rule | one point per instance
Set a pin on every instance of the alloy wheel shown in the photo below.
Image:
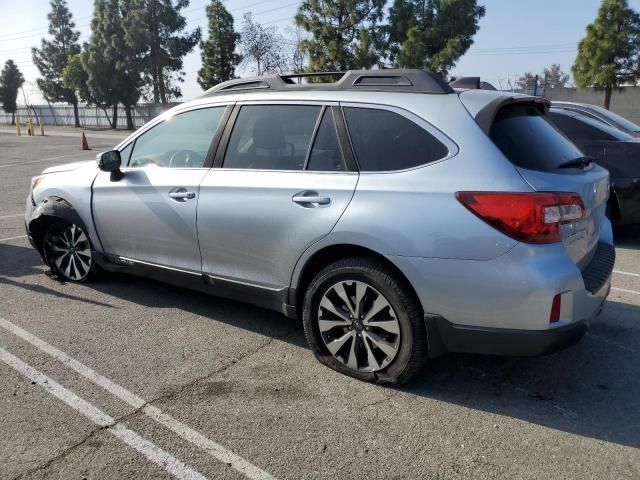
(69, 252)
(358, 326)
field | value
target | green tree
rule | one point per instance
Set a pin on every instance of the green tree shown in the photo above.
(342, 33)
(219, 59)
(608, 55)
(52, 57)
(432, 34)
(112, 65)
(157, 27)
(11, 80)
(74, 77)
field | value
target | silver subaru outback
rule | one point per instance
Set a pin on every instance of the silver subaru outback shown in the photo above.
(398, 217)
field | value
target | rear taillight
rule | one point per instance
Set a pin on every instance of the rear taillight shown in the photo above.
(528, 217)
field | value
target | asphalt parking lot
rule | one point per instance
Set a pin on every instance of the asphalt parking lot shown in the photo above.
(129, 378)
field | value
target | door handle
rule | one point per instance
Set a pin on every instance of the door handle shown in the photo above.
(311, 199)
(181, 194)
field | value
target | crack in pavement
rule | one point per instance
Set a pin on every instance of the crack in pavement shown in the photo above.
(62, 455)
(148, 403)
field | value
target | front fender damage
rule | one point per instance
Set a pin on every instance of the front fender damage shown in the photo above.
(48, 211)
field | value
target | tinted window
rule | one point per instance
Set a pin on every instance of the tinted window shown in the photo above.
(181, 141)
(581, 128)
(530, 141)
(384, 140)
(271, 137)
(326, 154)
(617, 120)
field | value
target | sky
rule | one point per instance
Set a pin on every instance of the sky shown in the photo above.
(515, 36)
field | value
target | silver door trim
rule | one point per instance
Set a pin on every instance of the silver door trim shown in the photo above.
(156, 265)
(246, 284)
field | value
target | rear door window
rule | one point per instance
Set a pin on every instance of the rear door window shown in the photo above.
(530, 141)
(387, 141)
(271, 137)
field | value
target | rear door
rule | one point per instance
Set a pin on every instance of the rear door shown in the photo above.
(545, 159)
(282, 184)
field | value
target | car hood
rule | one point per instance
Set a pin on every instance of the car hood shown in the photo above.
(70, 166)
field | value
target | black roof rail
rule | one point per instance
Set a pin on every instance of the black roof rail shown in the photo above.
(471, 83)
(289, 77)
(396, 80)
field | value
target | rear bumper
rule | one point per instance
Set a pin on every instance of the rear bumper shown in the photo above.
(445, 336)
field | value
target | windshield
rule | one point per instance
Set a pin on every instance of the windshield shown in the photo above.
(530, 141)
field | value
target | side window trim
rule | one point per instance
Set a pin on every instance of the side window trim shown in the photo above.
(226, 135)
(217, 137)
(451, 146)
(345, 140)
(313, 137)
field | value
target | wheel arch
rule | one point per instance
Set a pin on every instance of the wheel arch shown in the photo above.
(308, 267)
(52, 209)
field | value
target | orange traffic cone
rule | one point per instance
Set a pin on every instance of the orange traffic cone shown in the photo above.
(85, 145)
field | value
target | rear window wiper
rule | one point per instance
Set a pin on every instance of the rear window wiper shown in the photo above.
(580, 162)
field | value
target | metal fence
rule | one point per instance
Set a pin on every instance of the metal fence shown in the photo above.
(62, 115)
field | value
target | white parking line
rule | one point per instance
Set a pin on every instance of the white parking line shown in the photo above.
(12, 238)
(625, 290)
(97, 416)
(212, 448)
(15, 215)
(627, 273)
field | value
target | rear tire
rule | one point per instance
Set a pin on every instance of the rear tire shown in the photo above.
(378, 336)
(67, 251)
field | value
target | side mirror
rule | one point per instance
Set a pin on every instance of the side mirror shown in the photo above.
(110, 162)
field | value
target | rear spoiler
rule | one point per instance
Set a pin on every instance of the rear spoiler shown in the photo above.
(485, 117)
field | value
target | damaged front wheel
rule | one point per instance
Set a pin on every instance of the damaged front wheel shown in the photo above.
(67, 251)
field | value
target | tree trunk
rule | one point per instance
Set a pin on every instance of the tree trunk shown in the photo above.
(127, 109)
(76, 114)
(13, 118)
(163, 93)
(607, 97)
(114, 121)
(156, 92)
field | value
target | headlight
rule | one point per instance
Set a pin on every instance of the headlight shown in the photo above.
(35, 181)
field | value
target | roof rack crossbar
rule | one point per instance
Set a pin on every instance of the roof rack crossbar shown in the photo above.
(382, 80)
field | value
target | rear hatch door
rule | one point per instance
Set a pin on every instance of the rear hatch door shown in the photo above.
(549, 162)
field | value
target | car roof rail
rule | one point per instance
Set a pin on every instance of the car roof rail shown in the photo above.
(382, 80)
(471, 83)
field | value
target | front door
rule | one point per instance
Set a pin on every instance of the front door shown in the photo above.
(149, 216)
(282, 186)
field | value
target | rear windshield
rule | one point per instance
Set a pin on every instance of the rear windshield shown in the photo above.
(530, 141)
